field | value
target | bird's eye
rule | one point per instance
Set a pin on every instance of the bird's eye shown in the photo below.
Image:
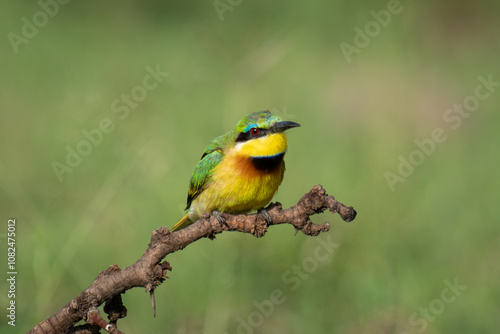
(254, 131)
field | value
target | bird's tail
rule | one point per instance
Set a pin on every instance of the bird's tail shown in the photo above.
(185, 221)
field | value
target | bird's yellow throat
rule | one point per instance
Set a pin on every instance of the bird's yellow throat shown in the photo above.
(269, 145)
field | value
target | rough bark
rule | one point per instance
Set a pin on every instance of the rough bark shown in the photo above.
(150, 270)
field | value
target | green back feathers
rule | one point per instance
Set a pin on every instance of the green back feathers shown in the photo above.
(210, 158)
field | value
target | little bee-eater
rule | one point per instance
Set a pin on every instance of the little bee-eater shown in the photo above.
(239, 171)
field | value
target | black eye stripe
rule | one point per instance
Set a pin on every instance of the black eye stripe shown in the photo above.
(244, 136)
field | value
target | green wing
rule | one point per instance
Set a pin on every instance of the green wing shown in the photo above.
(202, 173)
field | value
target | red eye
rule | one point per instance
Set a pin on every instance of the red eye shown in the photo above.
(254, 131)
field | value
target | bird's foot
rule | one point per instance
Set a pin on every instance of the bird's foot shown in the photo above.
(220, 218)
(266, 216)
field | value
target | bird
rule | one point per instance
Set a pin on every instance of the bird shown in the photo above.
(239, 171)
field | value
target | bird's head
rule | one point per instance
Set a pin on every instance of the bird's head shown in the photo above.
(261, 134)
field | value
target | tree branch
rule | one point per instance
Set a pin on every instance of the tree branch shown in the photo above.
(149, 271)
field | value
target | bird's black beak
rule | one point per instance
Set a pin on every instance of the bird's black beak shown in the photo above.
(282, 126)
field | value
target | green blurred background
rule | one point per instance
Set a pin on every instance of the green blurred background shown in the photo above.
(358, 117)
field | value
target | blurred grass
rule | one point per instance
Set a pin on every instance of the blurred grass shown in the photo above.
(356, 118)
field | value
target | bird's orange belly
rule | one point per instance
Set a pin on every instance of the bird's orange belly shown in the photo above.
(238, 186)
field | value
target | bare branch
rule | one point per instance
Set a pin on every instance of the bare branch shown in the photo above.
(149, 271)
